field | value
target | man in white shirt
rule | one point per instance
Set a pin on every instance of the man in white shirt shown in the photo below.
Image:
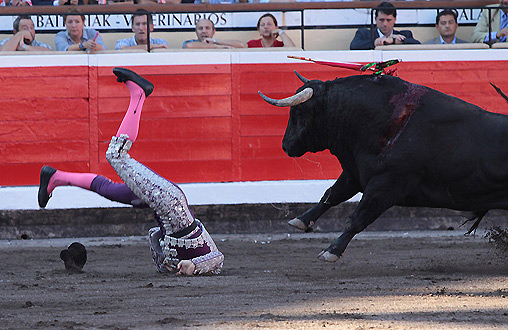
(205, 31)
(141, 21)
(24, 37)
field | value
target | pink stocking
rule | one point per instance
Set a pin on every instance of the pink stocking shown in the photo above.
(130, 122)
(61, 178)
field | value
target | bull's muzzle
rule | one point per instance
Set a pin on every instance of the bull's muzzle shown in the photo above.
(296, 99)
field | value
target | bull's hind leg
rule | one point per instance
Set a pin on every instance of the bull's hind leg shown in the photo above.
(343, 189)
(380, 194)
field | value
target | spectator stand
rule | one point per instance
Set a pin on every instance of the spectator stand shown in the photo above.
(313, 25)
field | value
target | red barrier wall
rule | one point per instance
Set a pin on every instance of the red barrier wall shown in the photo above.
(203, 123)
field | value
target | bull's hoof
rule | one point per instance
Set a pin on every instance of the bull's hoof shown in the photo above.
(297, 223)
(327, 256)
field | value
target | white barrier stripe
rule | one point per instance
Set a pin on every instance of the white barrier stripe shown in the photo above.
(245, 57)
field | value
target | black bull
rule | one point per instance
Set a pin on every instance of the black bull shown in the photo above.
(399, 144)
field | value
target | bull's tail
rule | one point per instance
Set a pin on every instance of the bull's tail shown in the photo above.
(499, 91)
(478, 216)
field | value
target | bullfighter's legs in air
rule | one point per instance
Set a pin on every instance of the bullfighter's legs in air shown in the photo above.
(51, 178)
(180, 242)
(148, 185)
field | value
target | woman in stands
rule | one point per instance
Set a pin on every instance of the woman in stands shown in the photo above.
(76, 36)
(180, 243)
(270, 31)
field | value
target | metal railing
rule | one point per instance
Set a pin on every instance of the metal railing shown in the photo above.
(300, 7)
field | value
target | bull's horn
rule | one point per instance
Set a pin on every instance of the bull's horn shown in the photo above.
(292, 100)
(302, 78)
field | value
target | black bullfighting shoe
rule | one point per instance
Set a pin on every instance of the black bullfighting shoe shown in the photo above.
(43, 196)
(124, 75)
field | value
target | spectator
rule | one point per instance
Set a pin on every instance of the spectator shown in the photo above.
(68, 2)
(140, 38)
(269, 31)
(42, 2)
(72, 2)
(141, 2)
(205, 31)
(24, 37)
(384, 34)
(76, 36)
(446, 25)
(15, 3)
(499, 24)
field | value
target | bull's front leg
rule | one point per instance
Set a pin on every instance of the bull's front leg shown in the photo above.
(380, 194)
(343, 189)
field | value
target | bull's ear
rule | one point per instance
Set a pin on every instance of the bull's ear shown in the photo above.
(296, 99)
(302, 78)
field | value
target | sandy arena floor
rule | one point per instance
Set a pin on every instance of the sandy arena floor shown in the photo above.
(429, 280)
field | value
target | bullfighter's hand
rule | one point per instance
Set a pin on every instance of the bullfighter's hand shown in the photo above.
(186, 267)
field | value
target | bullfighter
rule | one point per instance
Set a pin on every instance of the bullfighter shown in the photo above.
(180, 243)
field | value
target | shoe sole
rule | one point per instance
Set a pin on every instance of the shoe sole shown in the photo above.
(124, 75)
(43, 196)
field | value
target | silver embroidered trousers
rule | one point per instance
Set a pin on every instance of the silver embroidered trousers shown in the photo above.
(165, 198)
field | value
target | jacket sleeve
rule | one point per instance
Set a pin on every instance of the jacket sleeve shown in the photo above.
(208, 263)
(409, 37)
(481, 29)
(362, 40)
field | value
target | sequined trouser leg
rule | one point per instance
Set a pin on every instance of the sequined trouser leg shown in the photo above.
(165, 198)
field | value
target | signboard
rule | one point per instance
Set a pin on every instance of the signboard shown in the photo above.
(313, 18)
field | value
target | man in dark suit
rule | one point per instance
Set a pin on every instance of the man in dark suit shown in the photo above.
(446, 25)
(383, 34)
